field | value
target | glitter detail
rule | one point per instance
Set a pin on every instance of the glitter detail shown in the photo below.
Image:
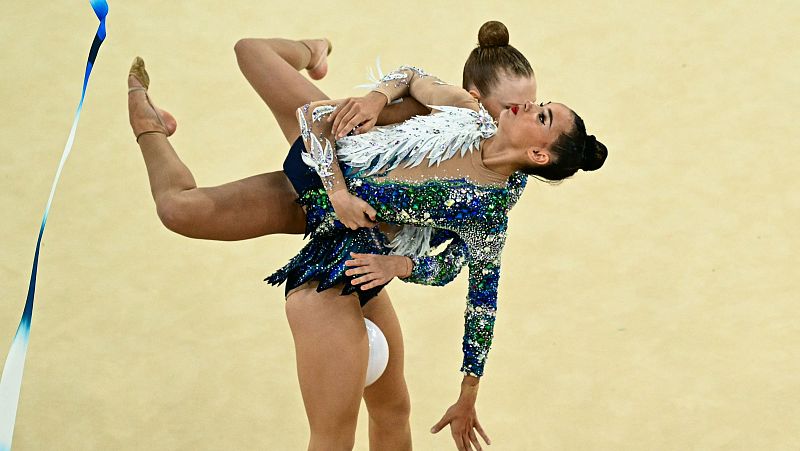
(475, 213)
(439, 269)
(398, 77)
(305, 131)
(319, 158)
(473, 216)
(420, 73)
(321, 111)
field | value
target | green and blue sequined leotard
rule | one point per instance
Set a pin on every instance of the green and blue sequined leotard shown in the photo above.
(452, 196)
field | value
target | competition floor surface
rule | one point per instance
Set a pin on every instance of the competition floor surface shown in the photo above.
(652, 305)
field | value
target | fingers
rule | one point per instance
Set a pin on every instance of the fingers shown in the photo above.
(459, 439)
(337, 114)
(483, 434)
(365, 126)
(474, 440)
(345, 115)
(364, 221)
(357, 271)
(374, 283)
(438, 426)
(371, 212)
(359, 222)
(358, 259)
(354, 118)
(368, 277)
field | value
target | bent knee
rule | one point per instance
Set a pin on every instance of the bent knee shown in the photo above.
(179, 214)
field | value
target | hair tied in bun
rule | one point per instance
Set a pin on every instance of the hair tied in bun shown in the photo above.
(493, 34)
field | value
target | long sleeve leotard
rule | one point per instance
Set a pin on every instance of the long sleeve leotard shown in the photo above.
(426, 172)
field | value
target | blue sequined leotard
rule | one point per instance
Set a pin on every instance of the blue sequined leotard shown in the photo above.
(426, 175)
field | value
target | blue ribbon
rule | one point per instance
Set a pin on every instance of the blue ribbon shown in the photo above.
(11, 380)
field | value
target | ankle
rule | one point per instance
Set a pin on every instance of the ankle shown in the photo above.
(307, 60)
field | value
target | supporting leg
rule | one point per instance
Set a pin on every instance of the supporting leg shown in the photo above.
(332, 351)
(387, 399)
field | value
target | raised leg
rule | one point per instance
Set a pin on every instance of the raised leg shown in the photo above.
(255, 206)
(271, 66)
(387, 399)
(332, 351)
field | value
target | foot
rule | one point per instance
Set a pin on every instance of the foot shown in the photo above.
(144, 117)
(318, 63)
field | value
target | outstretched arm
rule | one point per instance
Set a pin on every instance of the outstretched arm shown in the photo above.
(485, 243)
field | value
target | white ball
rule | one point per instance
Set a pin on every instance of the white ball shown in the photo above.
(378, 352)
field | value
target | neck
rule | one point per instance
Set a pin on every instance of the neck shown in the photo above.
(496, 158)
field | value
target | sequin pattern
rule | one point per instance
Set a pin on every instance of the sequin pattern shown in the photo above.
(474, 216)
(477, 215)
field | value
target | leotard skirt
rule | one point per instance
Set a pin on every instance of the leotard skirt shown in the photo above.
(322, 259)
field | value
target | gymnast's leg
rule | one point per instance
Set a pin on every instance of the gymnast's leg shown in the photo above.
(332, 352)
(387, 399)
(271, 66)
(256, 206)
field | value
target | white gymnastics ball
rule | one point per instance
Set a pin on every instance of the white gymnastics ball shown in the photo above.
(378, 352)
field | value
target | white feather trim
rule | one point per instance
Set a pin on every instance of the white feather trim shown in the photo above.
(436, 137)
(412, 241)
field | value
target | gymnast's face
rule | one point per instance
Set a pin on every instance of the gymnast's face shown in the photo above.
(509, 91)
(534, 128)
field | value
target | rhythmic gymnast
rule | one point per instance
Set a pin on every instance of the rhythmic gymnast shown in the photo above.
(465, 198)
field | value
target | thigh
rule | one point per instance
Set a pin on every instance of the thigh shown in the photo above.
(390, 389)
(332, 352)
(280, 85)
(260, 205)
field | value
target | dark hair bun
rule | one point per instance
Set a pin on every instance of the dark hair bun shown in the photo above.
(493, 34)
(594, 154)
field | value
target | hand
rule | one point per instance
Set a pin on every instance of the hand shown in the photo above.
(357, 113)
(375, 269)
(463, 421)
(352, 211)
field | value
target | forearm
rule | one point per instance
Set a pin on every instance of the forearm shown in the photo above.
(480, 315)
(399, 112)
(320, 145)
(423, 87)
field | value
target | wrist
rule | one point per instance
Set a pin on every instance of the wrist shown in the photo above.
(337, 192)
(470, 382)
(469, 389)
(405, 267)
(380, 98)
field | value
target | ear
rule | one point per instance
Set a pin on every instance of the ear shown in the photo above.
(475, 93)
(538, 156)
